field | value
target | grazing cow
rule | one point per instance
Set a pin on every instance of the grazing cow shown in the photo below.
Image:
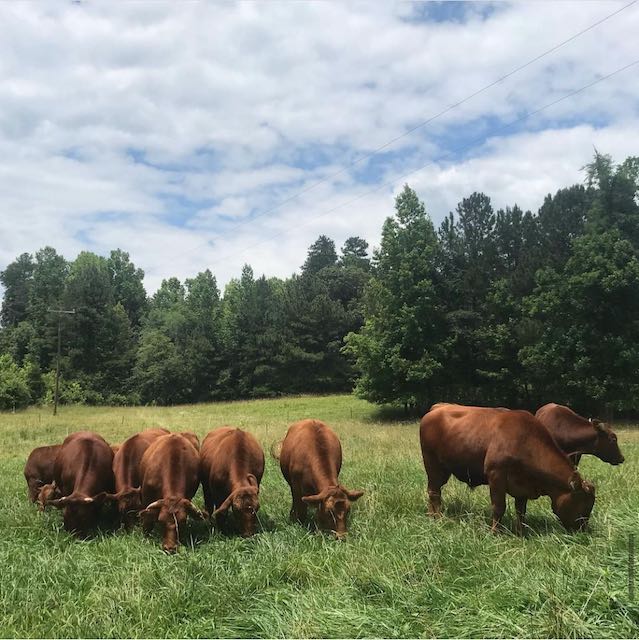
(126, 469)
(231, 469)
(576, 435)
(170, 478)
(38, 472)
(511, 452)
(83, 474)
(311, 459)
(192, 438)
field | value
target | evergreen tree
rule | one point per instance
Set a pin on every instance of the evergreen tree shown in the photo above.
(401, 347)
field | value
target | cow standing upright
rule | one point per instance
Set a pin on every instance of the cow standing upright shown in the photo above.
(311, 459)
(231, 469)
(170, 478)
(38, 472)
(128, 477)
(83, 473)
(577, 435)
(511, 452)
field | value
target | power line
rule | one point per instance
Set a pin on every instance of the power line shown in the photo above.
(425, 122)
(473, 142)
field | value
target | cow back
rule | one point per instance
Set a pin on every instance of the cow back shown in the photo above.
(169, 467)
(84, 465)
(228, 455)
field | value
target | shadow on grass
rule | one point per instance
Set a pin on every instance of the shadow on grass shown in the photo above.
(535, 525)
(391, 413)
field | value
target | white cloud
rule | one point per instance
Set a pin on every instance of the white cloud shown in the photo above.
(231, 109)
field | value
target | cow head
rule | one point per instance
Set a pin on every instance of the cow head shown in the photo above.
(79, 513)
(606, 445)
(129, 504)
(333, 505)
(573, 507)
(244, 504)
(172, 514)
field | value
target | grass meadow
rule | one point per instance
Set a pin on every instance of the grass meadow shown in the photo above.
(399, 574)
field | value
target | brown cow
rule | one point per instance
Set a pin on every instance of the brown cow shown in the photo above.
(192, 438)
(38, 472)
(311, 459)
(231, 469)
(126, 469)
(170, 478)
(83, 473)
(511, 452)
(576, 435)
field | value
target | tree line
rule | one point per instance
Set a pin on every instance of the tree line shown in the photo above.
(505, 307)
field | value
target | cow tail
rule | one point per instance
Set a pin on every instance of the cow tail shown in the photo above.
(276, 449)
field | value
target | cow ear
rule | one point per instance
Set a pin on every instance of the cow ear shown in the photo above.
(354, 495)
(575, 482)
(312, 499)
(252, 480)
(588, 487)
(101, 497)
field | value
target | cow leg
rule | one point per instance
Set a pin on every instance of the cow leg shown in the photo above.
(497, 484)
(437, 478)
(208, 498)
(148, 522)
(299, 510)
(574, 459)
(520, 509)
(34, 489)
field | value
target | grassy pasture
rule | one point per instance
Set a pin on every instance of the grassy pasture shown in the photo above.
(400, 574)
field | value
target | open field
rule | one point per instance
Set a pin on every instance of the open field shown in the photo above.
(399, 574)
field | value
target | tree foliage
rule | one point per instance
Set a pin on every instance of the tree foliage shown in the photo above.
(499, 307)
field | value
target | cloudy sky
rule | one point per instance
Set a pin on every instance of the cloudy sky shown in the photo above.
(202, 136)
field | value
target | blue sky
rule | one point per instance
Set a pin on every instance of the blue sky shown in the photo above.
(199, 136)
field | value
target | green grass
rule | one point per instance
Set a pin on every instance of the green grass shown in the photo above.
(399, 574)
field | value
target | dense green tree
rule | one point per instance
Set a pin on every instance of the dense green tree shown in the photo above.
(47, 289)
(14, 385)
(159, 370)
(587, 353)
(127, 285)
(321, 254)
(615, 201)
(401, 347)
(16, 280)
(506, 308)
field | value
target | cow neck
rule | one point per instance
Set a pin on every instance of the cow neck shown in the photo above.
(581, 440)
(238, 479)
(323, 471)
(557, 480)
(553, 470)
(324, 478)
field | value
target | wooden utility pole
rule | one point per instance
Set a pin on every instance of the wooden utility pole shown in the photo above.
(60, 313)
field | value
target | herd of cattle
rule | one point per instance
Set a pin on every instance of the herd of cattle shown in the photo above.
(153, 475)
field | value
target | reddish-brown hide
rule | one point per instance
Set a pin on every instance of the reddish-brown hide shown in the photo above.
(170, 478)
(512, 452)
(311, 459)
(128, 478)
(577, 435)
(231, 469)
(83, 474)
(38, 472)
